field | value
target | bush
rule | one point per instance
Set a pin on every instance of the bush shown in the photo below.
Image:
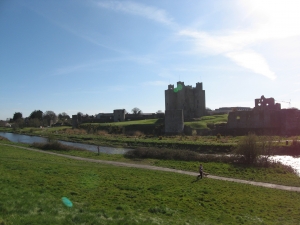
(180, 155)
(248, 147)
(255, 149)
(54, 145)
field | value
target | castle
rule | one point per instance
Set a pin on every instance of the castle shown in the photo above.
(265, 118)
(183, 103)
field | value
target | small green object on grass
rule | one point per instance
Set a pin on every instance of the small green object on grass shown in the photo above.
(67, 202)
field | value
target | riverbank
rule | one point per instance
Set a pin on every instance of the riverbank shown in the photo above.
(275, 173)
(201, 144)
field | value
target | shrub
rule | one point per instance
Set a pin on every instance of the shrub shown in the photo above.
(54, 145)
(180, 155)
(248, 147)
(102, 132)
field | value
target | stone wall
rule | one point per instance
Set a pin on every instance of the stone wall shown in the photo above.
(186, 98)
(265, 118)
(119, 115)
(174, 122)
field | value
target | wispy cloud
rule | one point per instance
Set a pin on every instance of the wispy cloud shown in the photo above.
(235, 46)
(253, 61)
(148, 12)
(271, 20)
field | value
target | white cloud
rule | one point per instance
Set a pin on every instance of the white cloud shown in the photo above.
(234, 46)
(271, 19)
(148, 12)
(253, 61)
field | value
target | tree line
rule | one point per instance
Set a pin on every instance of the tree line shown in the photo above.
(39, 118)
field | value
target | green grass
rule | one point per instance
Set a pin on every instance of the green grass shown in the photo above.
(32, 185)
(205, 120)
(276, 174)
(128, 123)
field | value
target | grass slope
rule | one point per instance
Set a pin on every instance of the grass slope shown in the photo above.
(32, 185)
(205, 120)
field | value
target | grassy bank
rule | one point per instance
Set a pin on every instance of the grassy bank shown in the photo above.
(220, 165)
(275, 173)
(202, 144)
(32, 185)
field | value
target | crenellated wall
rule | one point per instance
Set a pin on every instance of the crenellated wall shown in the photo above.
(186, 98)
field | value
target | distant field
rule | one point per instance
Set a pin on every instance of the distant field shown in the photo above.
(32, 185)
(198, 124)
(205, 120)
(128, 123)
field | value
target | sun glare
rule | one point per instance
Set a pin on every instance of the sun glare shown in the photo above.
(278, 18)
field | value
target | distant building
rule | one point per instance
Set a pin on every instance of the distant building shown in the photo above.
(267, 117)
(183, 103)
(186, 98)
(119, 115)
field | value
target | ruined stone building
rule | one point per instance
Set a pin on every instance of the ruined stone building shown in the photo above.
(267, 117)
(119, 115)
(183, 103)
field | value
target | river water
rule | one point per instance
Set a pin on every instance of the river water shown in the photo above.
(294, 162)
(31, 139)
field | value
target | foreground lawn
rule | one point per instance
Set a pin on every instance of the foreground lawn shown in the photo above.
(32, 185)
(278, 174)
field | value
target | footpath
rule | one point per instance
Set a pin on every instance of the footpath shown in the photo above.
(261, 184)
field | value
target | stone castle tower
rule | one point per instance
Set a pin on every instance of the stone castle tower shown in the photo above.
(191, 100)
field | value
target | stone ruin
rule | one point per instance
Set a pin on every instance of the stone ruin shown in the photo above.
(183, 103)
(266, 117)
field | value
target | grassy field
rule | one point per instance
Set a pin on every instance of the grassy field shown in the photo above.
(32, 185)
(276, 174)
(205, 120)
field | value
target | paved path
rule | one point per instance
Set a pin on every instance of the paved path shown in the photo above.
(267, 185)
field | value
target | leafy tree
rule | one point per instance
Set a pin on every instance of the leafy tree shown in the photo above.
(34, 122)
(18, 123)
(49, 117)
(36, 114)
(136, 111)
(17, 116)
(159, 111)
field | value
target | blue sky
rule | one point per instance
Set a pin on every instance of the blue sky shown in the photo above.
(94, 56)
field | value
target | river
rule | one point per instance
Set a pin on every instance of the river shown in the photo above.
(294, 162)
(31, 139)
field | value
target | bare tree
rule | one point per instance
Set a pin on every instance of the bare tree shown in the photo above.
(49, 117)
(136, 111)
(63, 116)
